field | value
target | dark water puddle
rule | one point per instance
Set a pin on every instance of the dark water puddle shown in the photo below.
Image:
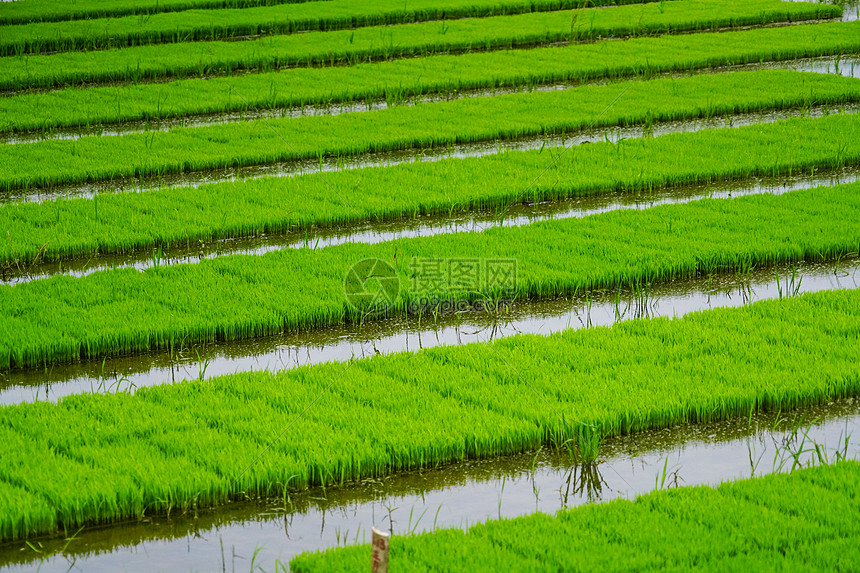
(412, 333)
(516, 215)
(233, 536)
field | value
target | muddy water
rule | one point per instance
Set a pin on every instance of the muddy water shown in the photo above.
(227, 538)
(398, 334)
(388, 158)
(516, 215)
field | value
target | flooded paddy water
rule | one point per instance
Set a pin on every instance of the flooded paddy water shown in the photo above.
(390, 158)
(848, 66)
(263, 534)
(515, 215)
(398, 334)
(254, 534)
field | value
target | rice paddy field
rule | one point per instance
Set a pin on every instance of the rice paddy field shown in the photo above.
(527, 285)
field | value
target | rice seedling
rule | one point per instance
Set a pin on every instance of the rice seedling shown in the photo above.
(802, 521)
(204, 365)
(156, 257)
(507, 117)
(222, 24)
(98, 457)
(47, 11)
(673, 477)
(238, 297)
(584, 447)
(413, 77)
(123, 41)
(222, 14)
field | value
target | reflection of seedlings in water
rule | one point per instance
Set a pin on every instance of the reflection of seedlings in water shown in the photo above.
(501, 324)
(535, 488)
(744, 285)
(589, 302)
(754, 461)
(792, 288)
(641, 303)
(501, 493)
(751, 450)
(233, 561)
(643, 300)
(583, 479)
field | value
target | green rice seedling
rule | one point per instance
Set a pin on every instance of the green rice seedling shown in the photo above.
(413, 77)
(156, 257)
(584, 447)
(97, 458)
(230, 13)
(796, 447)
(801, 521)
(47, 11)
(796, 281)
(204, 364)
(28, 512)
(513, 116)
(124, 40)
(226, 23)
(664, 474)
(242, 296)
(619, 314)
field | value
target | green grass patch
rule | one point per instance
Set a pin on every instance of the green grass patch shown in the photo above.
(362, 44)
(335, 13)
(147, 63)
(398, 80)
(159, 153)
(69, 228)
(238, 297)
(204, 25)
(103, 457)
(790, 522)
